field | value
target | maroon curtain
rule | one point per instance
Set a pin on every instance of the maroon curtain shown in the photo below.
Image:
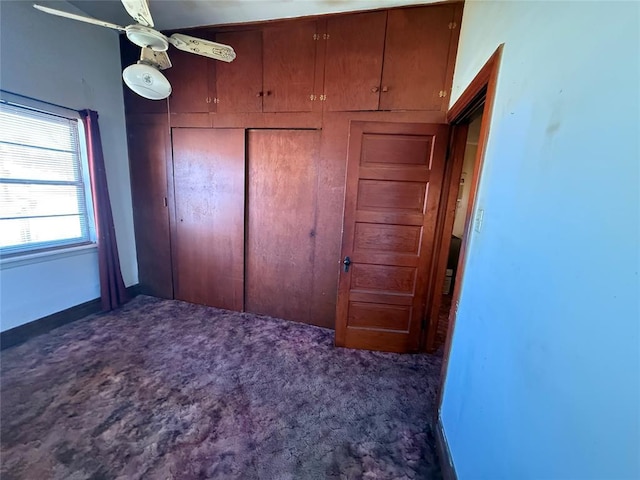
(112, 290)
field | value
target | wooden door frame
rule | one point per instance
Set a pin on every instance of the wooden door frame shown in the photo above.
(480, 92)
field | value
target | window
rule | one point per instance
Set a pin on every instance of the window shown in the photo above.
(44, 196)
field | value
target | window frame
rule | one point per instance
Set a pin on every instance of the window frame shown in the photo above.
(89, 238)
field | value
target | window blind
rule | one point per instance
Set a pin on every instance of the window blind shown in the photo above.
(43, 203)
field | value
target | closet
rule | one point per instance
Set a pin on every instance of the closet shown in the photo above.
(239, 177)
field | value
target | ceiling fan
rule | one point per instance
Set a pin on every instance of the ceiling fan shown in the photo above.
(145, 77)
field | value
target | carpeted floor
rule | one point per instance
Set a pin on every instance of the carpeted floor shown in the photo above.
(165, 389)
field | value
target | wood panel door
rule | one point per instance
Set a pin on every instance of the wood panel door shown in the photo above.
(281, 207)
(148, 153)
(190, 78)
(414, 76)
(289, 77)
(394, 178)
(239, 83)
(208, 251)
(353, 67)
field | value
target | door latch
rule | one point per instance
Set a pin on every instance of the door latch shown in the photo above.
(346, 263)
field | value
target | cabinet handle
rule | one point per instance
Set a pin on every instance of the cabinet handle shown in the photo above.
(259, 94)
(375, 89)
(268, 93)
(385, 88)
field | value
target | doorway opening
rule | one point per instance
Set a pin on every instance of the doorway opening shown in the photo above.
(458, 232)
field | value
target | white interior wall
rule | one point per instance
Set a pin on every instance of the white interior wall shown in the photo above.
(77, 66)
(544, 373)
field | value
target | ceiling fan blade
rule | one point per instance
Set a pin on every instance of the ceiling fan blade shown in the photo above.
(158, 59)
(206, 48)
(139, 10)
(81, 18)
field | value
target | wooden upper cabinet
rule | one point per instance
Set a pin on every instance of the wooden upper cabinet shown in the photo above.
(353, 64)
(192, 80)
(189, 77)
(414, 76)
(291, 67)
(239, 83)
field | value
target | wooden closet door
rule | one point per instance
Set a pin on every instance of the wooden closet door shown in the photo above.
(209, 168)
(189, 77)
(149, 151)
(281, 206)
(415, 58)
(239, 83)
(354, 61)
(289, 67)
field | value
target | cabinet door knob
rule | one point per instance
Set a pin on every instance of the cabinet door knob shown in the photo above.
(385, 89)
(268, 93)
(259, 94)
(374, 89)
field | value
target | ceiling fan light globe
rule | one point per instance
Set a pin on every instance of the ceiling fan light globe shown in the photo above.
(146, 81)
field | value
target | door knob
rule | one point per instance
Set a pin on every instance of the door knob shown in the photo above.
(374, 89)
(385, 89)
(346, 263)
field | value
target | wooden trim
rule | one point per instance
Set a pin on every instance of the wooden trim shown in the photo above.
(444, 454)
(485, 78)
(22, 333)
(484, 84)
(446, 217)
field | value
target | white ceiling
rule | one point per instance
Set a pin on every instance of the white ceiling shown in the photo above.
(174, 14)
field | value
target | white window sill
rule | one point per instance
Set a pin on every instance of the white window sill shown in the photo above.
(39, 257)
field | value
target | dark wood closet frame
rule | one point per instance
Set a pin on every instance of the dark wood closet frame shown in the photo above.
(334, 127)
(479, 94)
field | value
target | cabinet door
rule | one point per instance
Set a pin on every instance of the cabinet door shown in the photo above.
(239, 83)
(189, 77)
(289, 67)
(355, 47)
(281, 206)
(148, 150)
(208, 253)
(415, 58)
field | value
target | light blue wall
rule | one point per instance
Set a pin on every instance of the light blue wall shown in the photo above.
(77, 66)
(544, 373)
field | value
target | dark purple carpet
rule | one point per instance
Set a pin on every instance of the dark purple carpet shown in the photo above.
(165, 389)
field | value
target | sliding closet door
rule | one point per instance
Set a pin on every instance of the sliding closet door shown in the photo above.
(209, 228)
(281, 229)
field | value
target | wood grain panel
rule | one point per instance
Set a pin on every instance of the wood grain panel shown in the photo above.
(239, 83)
(281, 222)
(416, 57)
(373, 316)
(209, 175)
(378, 237)
(354, 61)
(405, 196)
(331, 193)
(289, 67)
(383, 278)
(189, 78)
(395, 149)
(392, 278)
(148, 149)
